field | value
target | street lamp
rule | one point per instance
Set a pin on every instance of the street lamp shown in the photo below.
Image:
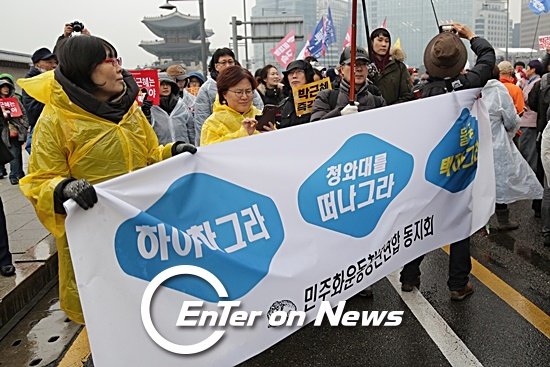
(204, 51)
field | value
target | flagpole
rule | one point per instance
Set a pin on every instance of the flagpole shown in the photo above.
(534, 38)
(353, 51)
(367, 31)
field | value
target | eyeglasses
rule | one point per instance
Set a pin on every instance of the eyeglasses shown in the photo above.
(114, 61)
(227, 62)
(242, 92)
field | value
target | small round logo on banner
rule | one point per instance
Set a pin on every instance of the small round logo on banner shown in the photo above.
(146, 308)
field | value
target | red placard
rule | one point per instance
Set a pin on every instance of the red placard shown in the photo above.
(544, 42)
(147, 80)
(285, 50)
(11, 104)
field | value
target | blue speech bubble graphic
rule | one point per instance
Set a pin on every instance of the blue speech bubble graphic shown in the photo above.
(204, 221)
(350, 192)
(452, 164)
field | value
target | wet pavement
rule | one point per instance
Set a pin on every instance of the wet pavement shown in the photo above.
(495, 333)
(492, 331)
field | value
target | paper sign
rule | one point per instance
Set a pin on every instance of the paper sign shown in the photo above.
(11, 104)
(544, 42)
(305, 95)
(148, 80)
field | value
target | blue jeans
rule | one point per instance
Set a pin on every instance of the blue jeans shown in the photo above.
(16, 164)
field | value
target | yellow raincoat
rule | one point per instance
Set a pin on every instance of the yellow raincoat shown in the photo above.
(71, 142)
(225, 124)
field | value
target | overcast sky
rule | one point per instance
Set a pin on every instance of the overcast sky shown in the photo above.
(29, 25)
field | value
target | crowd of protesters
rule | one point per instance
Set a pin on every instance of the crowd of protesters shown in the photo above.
(80, 111)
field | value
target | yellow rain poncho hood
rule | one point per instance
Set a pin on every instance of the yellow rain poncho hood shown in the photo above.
(69, 141)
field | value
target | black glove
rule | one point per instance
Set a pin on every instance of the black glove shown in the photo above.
(181, 147)
(146, 107)
(80, 191)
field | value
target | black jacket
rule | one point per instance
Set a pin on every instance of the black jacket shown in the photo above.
(288, 114)
(539, 101)
(477, 77)
(32, 106)
(368, 97)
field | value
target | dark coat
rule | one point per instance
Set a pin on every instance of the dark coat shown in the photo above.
(538, 100)
(394, 84)
(477, 77)
(32, 106)
(272, 96)
(288, 114)
(368, 97)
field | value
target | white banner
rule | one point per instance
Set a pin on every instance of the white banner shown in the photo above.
(283, 220)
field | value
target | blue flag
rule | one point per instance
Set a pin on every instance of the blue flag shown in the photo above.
(330, 31)
(539, 6)
(317, 42)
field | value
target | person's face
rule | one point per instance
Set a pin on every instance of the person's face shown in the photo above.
(239, 96)
(273, 77)
(519, 68)
(181, 84)
(5, 91)
(108, 76)
(165, 89)
(46, 65)
(194, 82)
(223, 63)
(296, 77)
(381, 45)
(316, 77)
(360, 72)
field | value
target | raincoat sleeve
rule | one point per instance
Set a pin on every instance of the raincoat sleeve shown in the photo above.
(48, 166)
(203, 109)
(510, 118)
(214, 131)
(156, 152)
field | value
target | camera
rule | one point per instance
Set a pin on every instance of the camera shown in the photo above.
(447, 28)
(77, 26)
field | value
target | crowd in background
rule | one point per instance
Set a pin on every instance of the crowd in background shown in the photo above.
(82, 125)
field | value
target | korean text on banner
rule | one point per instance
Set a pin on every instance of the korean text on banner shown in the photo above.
(305, 95)
(285, 51)
(544, 42)
(11, 104)
(365, 200)
(147, 80)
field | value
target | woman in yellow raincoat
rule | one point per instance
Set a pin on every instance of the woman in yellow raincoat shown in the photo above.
(234, 115)
(90, 130)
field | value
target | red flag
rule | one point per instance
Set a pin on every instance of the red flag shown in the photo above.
(285, 51)
(147, 80)
(11, 104)
(347, 40)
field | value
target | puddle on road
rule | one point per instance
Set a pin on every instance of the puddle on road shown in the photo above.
(532, 256)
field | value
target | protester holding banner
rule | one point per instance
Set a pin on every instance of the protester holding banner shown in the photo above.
(515, 180)
(270, 87)
(234, 115)
(172, 119)
(298, 73)
(336, 102)
(221, 60)
(18, 127)
(445, 57)
(43, 60)
(392, 78)
(91, 130)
